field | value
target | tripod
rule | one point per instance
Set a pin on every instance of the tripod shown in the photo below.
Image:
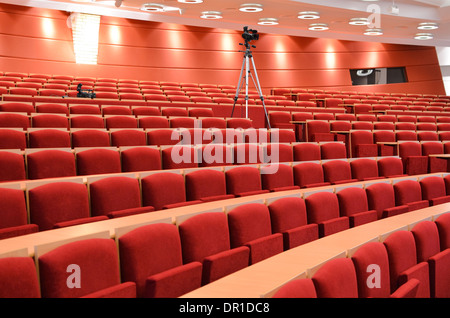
(246, 63)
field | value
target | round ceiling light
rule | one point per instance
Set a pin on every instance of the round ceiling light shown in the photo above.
(152, 7)
(251, 7)
(423, 36)
(190, 1)
(373, 32)
(308, 15)
(268, 21)
(359, 21)
(211, 15)
(318, 27)
(428, 26)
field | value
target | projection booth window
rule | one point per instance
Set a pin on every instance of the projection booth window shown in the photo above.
(374, 76)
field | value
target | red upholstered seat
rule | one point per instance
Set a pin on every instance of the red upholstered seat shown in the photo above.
(52, 108)
(140, 159)
(121, 121)
(182, 122)
(364, 169)
(336, 279)
(278, 153)
(90, 138)
(116, 197)
(433, 190)
(205, 239)
(297, 288)
(333, 150)
(309, 174)
(49, 138)
(49, 121)
(87, 121)
(243, 181)
(160, 272)
(277, 177)
(318, 130)
(13, 214)
(258, 236)
(443, 225)
(51, 163)
(179, 157)
(97, 261)
(162, 137)
(403, 264)
(174, 111)
(337, 172)
(323, 209)
(390, 167)
(353, 204)
(289, 217)
(243, 123)
(408, 192)
(153, 122)
(206, 185)
(18, 278)
(413, 160)
(12, 166)
(17, 107)
(128, 137)
(85, 109)
(385, 136)
(381, 197)
(215, 155)
(306, 151)
(145, 111)
(13, 120)
(98, 161)
(434, 164)
(362, 144)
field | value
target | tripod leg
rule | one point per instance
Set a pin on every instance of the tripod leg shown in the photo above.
(238, 87)
(260, 93)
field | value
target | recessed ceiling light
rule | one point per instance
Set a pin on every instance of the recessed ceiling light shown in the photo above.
(373, 32)
(251, 7)
(318, 27)
(359, 21)
(152, 7)
(268, 21)
(308, 15)
(427, 26)
(423, 36)
(190, 1)
(211, 15)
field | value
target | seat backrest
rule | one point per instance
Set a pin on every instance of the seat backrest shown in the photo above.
(18, 278)
(287, 213)
(390, 166)
(12, 139)
(51, 163)
(352, 200)
(363, 169)
(121, 121)
(140, 159)
(333, 150)
(161, 137)
(49, 121)
(271, 180)
(49, 138)
(298, 288)
(163, 188)
(426, 236)
(407, 191)
(90, 138)
(179, 156)
(308, 173)
(205, 183)
(336, 170)
(98, 161)
(128, 137)
(12, 120)
(14, 208)
(306, 151)
(443, 225)
(406, 149)
(322, 206)
(12, 166)
(432, 187)
(380, 196)
(242, 179)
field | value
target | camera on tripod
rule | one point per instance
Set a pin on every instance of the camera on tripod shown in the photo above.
(250, 35)
(85, 93)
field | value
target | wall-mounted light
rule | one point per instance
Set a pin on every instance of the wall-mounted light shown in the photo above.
(359, 21)
(308, 15)
(251, 7)
(211, 15)
(190, 1)
(423, 36)
(85, 30)
(268, 21)
(373, 32)
(428, 26)
(318, 27)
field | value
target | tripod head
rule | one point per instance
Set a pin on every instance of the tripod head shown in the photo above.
(249, 35)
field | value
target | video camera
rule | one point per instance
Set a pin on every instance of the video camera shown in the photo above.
(85, 93)
(250, 35)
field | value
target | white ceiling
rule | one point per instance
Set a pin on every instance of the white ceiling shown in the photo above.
(397, 28)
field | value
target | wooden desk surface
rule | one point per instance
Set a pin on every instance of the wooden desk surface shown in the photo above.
(440, 155)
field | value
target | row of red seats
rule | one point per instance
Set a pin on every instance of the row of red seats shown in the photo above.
(410, 264)
(239, 242)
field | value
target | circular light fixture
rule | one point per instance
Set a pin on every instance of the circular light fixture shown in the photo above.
(318, 27)
(423, 36)
(190, 1)
(373, 32)
(152, 7)
(359, 21)
(308, 15)
(251, 7)
(211, 15)
(428, 26)
(268, 21)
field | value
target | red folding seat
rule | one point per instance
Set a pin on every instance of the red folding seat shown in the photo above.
(426, 236)
(128, 137)
(153, 122)
(182, 122)
(297, 288)
(85, 109)
(405, 126)
(354, 205)
(120, 121)
(131, 96)
(179, 157)
(116, 110)
(427, 136)
(18, 278)
(289, 217)
(443, 127)
(366, 118)
(258, 236)
(13, 139)
(281, 119)
(49, 121)
(12, 166)
(306, 151)
(14, 120)
(17, 107)
(174, 111)
(282, 136)
(164, 190)
(140, 159)
(154, 95)
(364, 259)
(362, 108)
(244, 181)
(388, 137)
(403, 264)
(426, 127)
(362, 144)
(434, 164)
(381, 197)
(98, 161)
(160, 272)
(98, 261)
(407, 118)
(108, 95)
(248, 154)
(52, 108)
(387, 118)
(390, 167)
(405, 135)
(116, 197)
(256, 135)
(336, 279)
(433, 190)
(145, 111)
(309, 174)
(206, 185)
(215, 155)
(333, 150)
(217, 257)
(323, 116)
(337, 171)
(277, 177)
(278, 153)
(161, 137)
(413, 160)
(13, 215)
(341, 129)
(71, 207)
(49, 138)
(364, 169)
(409, 192)
(323, 209)
(90, 138)
(23, 91)
(318, 130)
(50, 163)
(52, 92)
(201, 112)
